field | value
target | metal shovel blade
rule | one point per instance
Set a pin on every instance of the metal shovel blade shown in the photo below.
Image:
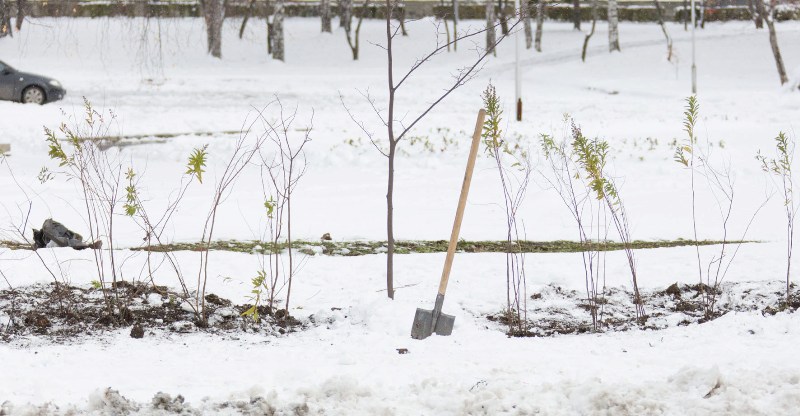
(423, 324)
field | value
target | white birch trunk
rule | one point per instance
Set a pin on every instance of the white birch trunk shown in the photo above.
(214, 15)
(525, 10)
(491, 36)
(277, 32)
(613, 29)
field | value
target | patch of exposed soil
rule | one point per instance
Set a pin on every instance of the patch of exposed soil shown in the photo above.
(61, 312)
(557, 311)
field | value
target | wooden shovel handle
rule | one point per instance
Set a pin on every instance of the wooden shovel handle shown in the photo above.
(462, 201)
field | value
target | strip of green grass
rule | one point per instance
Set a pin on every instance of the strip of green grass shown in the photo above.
(360, 248)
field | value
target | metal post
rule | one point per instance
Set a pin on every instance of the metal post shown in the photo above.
(694, 67)
(517, 81)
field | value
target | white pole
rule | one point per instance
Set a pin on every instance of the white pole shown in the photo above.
(517, 80)
(694, 67)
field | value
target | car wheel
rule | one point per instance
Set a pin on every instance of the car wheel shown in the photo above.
(33, 95)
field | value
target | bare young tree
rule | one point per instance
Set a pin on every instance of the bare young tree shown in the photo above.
(397, 129)
(539, 23)
(353, 39)
(325, 15)
(766, 8)
(214, 15)
(277, 42)
(576, 14)
(613, 26)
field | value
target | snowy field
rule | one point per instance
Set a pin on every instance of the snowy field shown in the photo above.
(741, 363)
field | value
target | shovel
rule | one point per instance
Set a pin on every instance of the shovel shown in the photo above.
(426, 321)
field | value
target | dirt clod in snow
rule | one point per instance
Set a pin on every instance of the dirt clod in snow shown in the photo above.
(137, 331)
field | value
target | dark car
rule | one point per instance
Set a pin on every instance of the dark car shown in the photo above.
(28, 88)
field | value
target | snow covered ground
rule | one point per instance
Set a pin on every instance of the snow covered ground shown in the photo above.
(742, 363)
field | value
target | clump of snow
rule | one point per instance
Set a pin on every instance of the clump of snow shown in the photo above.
(109, 401)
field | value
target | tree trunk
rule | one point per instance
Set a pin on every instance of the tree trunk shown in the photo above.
(613, 23)
(702, 14)
(491, 36)
(595, 13)
(277, 32)
(455, 25)
(22, 6)
(769, 17)
(503, 17)
(392, 148)
(325, 15)
(660, 18)
(576, 14)
(686, 15)
(214, 14)
(247, 17)
(525, 10)
(353, 41)
(539, 22)
(755, 14)
(5, 19)
(345, 13)
(401, 16)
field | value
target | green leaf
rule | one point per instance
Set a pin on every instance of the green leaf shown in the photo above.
(197, 161)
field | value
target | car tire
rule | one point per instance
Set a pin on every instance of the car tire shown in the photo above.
(33, 95)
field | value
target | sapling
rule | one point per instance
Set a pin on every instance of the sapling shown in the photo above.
(153, 226)
(685, 155)
(591, 156)
(399, 127)
(588, 213)
(99, 176)
(514, 169)
(780, 169)
(720, 184)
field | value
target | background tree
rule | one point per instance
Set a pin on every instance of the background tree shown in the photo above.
(352, 39)
(539, 23)
(277, 31)
(659, 16)
(501, 8)
(325, 15)
(250, 7)
(613, 23)
(576, 14)
(491, 35)
(22, 6)
(525, 15)
(766, 8)
(595, 13)
(214, 15)
(5, 19)
(755, 14)
(345, 13)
